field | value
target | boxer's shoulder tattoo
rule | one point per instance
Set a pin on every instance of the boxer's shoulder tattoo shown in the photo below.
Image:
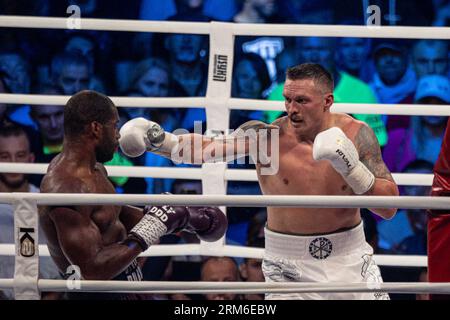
(370, 153)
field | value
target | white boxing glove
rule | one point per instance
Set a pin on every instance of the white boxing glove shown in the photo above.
(334, 146)
(139, 135)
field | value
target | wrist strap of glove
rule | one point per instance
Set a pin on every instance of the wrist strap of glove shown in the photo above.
(148, 230)
(360, 179)
(169, 144)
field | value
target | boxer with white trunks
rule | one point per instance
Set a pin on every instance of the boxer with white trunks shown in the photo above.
(319, 153)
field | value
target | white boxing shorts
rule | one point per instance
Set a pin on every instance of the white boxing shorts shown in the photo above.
(335, 257)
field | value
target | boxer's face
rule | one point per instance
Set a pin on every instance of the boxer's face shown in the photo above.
(306, 104)
(109, 142)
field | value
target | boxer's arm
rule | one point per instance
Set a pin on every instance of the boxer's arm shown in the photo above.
(81, 241)
(82, 244)
(130, 216)
(370, 154)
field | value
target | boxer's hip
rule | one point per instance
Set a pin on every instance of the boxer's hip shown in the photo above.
(132, 273)
(314, 247)
(342, 256)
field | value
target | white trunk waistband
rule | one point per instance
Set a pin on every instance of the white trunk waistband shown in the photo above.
(314, 246)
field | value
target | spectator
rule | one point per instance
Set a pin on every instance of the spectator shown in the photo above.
(16, 77)
(189, 70)
(186, 52)
(50, 123)
(70, 72)
(430, 57)
(17, 72)
(352, 56)
(151, 78)
(85, 45)
(348, 89)
(406, 232)
(15, 148)
(220, 269)
(250, 81)
(257, 11)
(394, 80)
(423, 138)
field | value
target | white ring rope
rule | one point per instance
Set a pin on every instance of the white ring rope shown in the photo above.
(143, 102)
(354, 108)
(238, 29)
(414, 179)
(407, 202)
(233, 287)
(232, 251)
(236, 104)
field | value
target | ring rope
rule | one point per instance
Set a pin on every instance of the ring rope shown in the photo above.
(243, 29)
(233, 251)
(407, 202)
(415, 179)
(233, 287)
(235, 104)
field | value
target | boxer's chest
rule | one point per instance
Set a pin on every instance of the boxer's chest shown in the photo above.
(299, 173)
(106, 217)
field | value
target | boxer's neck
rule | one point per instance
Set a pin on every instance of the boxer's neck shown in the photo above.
(79, 152)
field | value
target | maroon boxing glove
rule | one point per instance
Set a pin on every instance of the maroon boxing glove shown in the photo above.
(158, 221)
(209, 223)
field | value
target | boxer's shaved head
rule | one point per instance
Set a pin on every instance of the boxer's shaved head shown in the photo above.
(314, 71)
(85, 107)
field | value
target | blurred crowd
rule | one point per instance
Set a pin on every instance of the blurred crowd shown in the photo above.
(366, 71)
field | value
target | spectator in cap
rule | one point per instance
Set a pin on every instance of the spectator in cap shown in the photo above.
(423, 138)
(394, 80)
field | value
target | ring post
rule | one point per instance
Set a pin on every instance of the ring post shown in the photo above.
(26, 269)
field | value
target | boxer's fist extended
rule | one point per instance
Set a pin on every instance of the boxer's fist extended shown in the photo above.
(158, 221)
(209, 223)
(139, 135)
(334, 146)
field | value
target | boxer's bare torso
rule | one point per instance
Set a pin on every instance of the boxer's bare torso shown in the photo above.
(99, 222)
(300, 174)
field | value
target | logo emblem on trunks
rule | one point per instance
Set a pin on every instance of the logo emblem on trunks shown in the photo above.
(320, 248)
